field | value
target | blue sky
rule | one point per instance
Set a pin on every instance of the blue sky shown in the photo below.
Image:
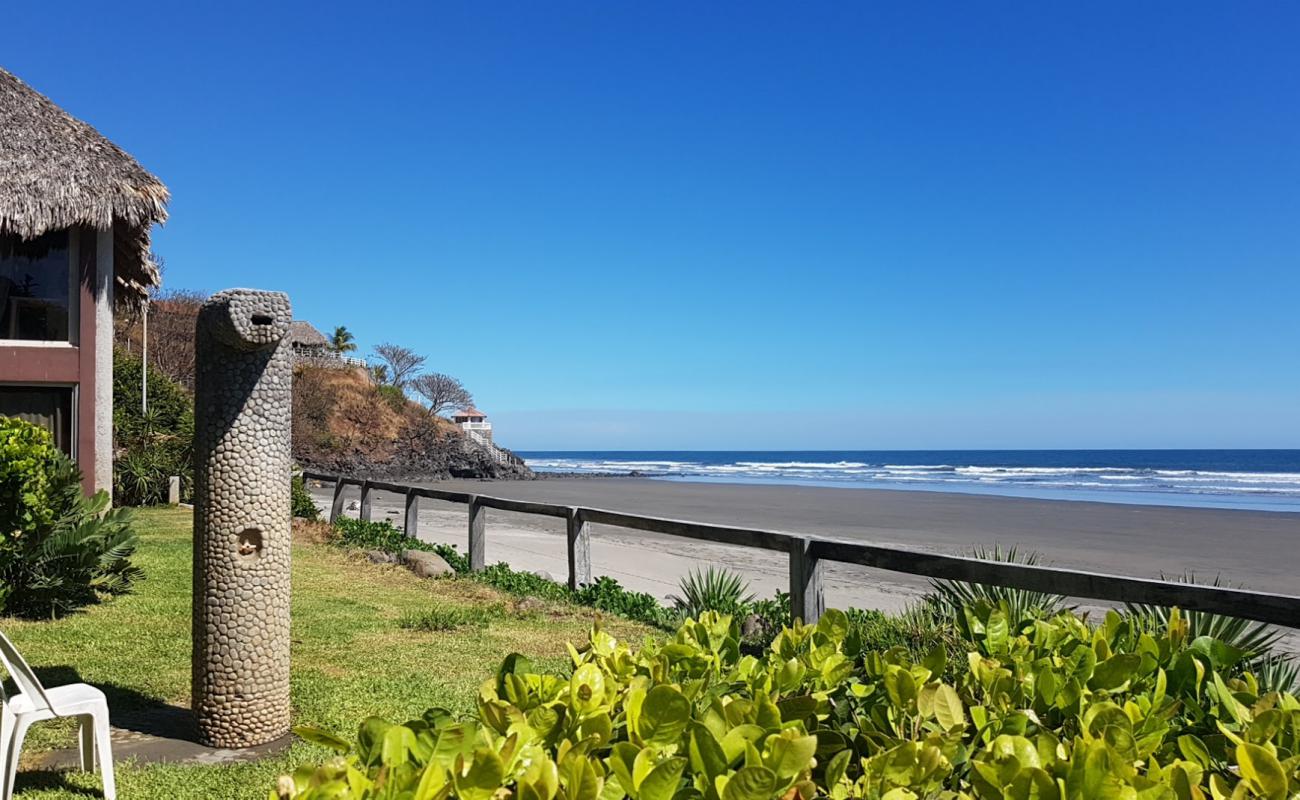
(687, 225)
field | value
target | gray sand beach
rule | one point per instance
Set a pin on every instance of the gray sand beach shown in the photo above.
(1257, 549)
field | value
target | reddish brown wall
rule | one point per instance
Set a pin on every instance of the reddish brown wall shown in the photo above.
(67, 365)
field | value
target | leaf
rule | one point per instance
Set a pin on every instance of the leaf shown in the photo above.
(1115, 671)
(1221, 654)
(997, 632)
(790, 756)
(664, 715)
(481, 780)
(661, 782)
(1262, 769)
(751, 783)
(948, 708)
(322, 737)
(587, 688)
(707, 756)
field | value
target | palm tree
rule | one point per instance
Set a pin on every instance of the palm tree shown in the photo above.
(342, 341)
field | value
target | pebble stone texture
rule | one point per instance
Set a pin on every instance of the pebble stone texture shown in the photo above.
(242, 405)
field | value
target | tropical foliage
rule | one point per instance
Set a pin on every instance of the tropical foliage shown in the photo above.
(712, 589)
(300, 500)
(1049, 709)
(150, 446)
(58, 549)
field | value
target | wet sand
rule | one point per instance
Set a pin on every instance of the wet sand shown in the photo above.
(1258, 549)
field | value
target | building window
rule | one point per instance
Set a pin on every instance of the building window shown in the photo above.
(36, 288)
(50, 407)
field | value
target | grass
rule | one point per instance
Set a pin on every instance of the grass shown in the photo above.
(353, 655)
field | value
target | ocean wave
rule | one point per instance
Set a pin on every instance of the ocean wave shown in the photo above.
(1110, 480)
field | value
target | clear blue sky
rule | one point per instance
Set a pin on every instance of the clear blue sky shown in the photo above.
(702, 225)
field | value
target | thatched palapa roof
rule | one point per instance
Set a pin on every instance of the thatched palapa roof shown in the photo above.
(304, 334)
(58, 172)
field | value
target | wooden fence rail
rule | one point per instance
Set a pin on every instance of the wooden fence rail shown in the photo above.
(808, 553)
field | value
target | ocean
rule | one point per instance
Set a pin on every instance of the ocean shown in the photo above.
(1265, 480)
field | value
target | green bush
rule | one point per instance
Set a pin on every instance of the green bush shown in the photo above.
(1050, 709)
(151, 447)
(59, 550)
(381, 535)
(300, 500)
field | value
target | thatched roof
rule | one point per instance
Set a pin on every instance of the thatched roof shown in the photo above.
(304, 334)
(58, 172)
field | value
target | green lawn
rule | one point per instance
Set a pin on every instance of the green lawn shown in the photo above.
(350, 656)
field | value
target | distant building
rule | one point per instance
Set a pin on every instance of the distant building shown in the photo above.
(311, 348)
(474, 423)
(75, 216)
(306, 340)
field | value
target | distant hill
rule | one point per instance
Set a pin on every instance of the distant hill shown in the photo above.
(343, 422)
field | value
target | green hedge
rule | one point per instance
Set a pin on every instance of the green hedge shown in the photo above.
(1053, 708)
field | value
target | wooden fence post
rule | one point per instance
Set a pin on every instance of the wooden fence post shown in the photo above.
(806, 599)
(579, 547)
(336, 507)
(477, 535)
(411, 522)
(365, 501)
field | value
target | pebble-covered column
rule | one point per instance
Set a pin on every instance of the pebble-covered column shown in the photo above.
(242, 460)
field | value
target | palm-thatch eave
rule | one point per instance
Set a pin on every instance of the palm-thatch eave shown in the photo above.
(58, 172)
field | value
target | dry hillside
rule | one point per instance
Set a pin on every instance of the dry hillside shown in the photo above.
(343, 422)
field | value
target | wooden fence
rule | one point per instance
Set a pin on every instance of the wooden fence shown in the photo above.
(808, 553)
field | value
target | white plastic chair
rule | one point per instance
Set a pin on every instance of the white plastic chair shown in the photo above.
(36, 703)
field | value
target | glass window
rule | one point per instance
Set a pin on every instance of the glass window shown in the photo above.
(35, 288)
(48, 407)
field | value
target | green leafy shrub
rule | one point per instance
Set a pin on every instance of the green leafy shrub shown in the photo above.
(607, 594)
(300, 501)
(1256, 639)
(59, 550)
(1051, 709)
(381, 535)
(151, 447)
(712, 589)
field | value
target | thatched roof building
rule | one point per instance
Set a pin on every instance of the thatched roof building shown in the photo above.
(304, 335)
(57, 172)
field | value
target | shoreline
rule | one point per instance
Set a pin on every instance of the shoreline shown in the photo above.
(1253, 548)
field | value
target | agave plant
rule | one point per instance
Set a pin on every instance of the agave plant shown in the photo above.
(947, 598)
(1257, 639)
(712, 589)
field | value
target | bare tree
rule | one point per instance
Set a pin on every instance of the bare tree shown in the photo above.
(402, 362)
(442, 391)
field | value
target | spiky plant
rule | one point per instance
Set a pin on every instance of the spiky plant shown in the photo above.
(712, 589)
(1257, 639)
(948, 598)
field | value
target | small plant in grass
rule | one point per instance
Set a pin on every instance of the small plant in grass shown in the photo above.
(300, 500)
(449, 618)
(712, 589)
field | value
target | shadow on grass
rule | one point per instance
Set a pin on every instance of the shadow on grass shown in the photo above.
(128, 709)
(43, 779)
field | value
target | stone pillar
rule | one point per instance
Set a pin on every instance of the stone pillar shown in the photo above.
(242, 459)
